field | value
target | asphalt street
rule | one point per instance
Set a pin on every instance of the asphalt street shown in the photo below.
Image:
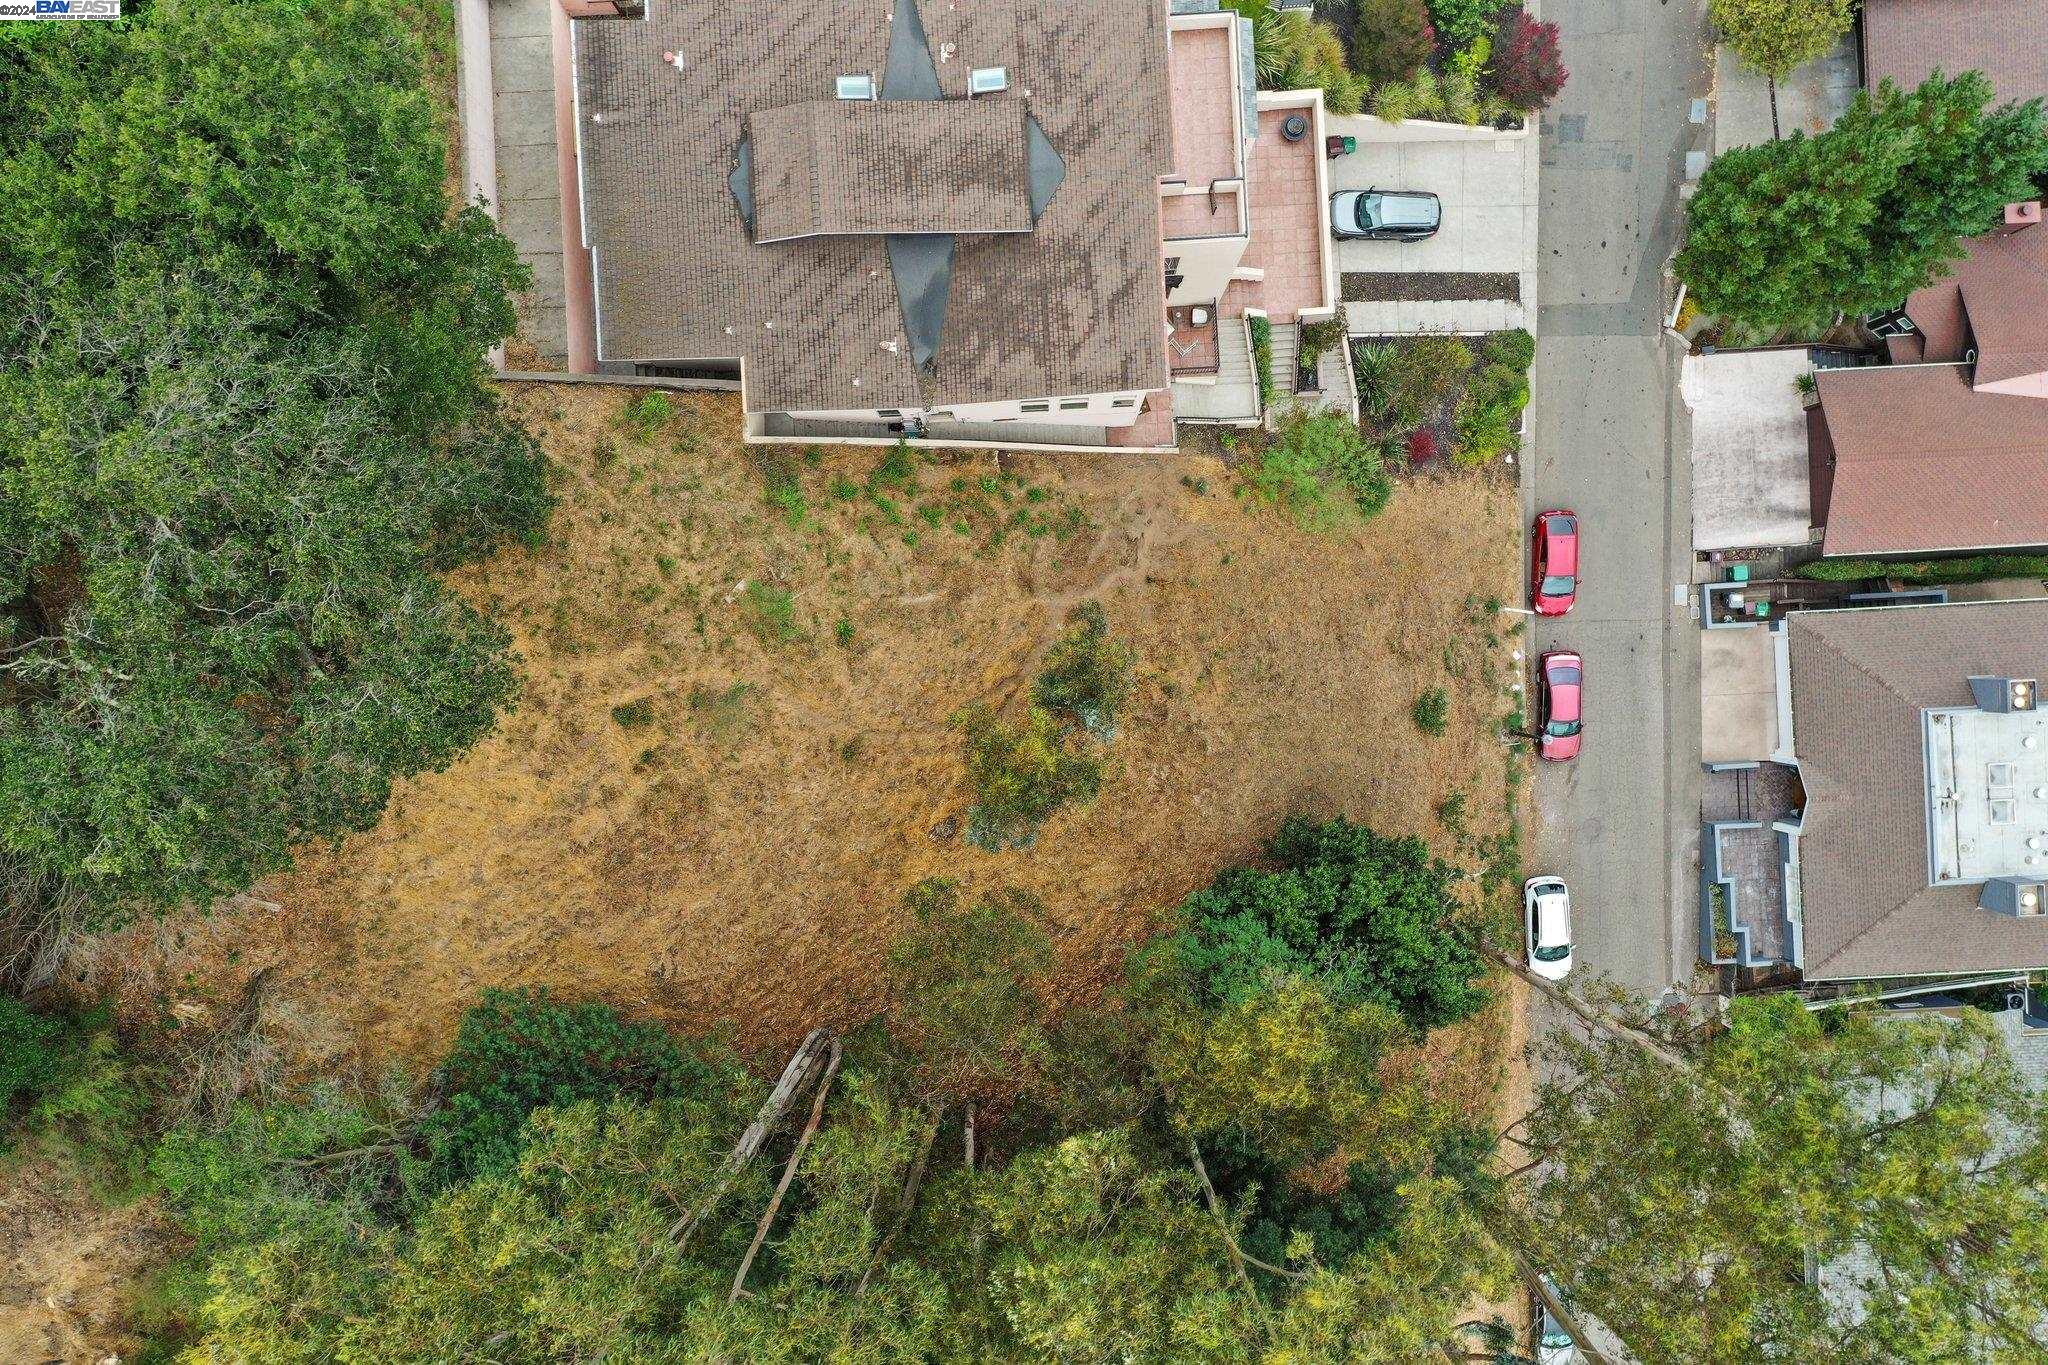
(1619, 823)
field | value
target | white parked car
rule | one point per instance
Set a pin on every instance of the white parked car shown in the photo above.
(1554, 1345)
(1547, 926)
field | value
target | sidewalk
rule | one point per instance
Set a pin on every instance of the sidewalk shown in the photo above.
(1809, 101)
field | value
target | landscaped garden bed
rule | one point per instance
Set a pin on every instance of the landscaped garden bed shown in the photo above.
(1431, 286)
(1436, 398)
(1460, 61)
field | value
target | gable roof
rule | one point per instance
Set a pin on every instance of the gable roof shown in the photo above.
(1994, 300)
(1923, 462)
(1860, 679)
(1905, 41)
(1073, 305)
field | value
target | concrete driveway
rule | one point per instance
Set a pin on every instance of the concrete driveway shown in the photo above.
(1487, 182)
(1620, 823)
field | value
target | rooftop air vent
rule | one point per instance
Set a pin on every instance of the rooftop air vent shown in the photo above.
(861, 87)
(988, 80)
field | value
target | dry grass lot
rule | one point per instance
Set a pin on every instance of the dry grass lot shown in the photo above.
(733, 752)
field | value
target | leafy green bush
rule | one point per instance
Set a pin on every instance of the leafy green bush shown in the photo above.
(1324, 334)
(634, 715)
(1514, 348)
(1392, 40)
(1323, 470)
(1021, 774)
(1489, 414)
(1395, 101)
(1432, 711)
(67, 1087)
(518, 1051)
(1968, 569)
(1459, 22)
(1262, 357)
(1377, 367)
(1087, 675)
(1370, 918)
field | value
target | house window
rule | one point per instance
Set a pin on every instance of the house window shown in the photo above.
(1038, 407)
(888, 412)
(1123, 402)
(1074, 406)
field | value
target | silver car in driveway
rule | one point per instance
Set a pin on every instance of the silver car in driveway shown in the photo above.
(1384, 215)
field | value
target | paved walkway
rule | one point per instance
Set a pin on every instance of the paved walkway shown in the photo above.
(1620, 823)
(529, 192)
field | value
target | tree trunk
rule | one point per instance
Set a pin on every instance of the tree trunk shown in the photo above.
(1774, 109)
(749, 1145)
(1594, 1016)
(803, 1142)
(907, 1202)
(1558, 1310)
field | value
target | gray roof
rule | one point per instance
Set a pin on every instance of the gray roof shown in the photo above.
(1860, 679)
(1072, 302)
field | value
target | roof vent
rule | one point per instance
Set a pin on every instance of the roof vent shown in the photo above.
(2020, 897)
(861, 87)
(988, 80)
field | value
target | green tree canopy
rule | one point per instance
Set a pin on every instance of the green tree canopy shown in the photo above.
(1368, 917)
(1856, 218)
(1903, 1157)
(965, 978)
(1775, 36)
(243, 426)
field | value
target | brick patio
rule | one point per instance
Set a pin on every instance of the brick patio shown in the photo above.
(1287, 226)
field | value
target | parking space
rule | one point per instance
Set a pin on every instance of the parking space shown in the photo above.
(1487, 183)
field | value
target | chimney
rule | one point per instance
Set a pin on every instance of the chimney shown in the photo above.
(2018, 217)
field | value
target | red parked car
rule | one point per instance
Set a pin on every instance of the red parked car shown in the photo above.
(1560, 718)
(1554, 562)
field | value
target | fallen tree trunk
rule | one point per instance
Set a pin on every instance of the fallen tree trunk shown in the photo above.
(749, 1145)
(796, 1156)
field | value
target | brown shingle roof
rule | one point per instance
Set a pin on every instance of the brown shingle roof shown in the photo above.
(1077, 305)
(1996, 300)
(1904, 41)
(1923, 462)
(869, 166)
(1860, 680)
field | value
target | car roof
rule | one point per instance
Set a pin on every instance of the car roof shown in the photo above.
(1563, 542)
(1553, 920)
(1407, 208)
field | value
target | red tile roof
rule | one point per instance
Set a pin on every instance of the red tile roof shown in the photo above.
(1996, 302)
(1923, 462)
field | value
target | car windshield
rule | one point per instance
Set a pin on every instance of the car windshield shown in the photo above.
(1367, 219)
(1560, 526)
(1561, 729)
(1557, 1338)
(1557, 954)
(1559, 585)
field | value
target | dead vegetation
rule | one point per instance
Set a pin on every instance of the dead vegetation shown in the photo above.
(733, 754)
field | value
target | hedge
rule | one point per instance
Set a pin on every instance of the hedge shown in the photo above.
(1971, 569)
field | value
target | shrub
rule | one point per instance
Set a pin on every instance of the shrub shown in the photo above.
(1459, 98)
(518, 1051)
(1392, 40)
(648, 416)
(1461, 22)
(1377, 368)
(1316, 465)
(637, 714)
(1325, 334)
(1367, 917)
(1394, 101)
(1968, 569)
(1262, 356)
(965, 981)
(1422, 446)
(1776, 36)
(1527, 69)
(1428, 370)
(1489, 414)
(1516, 348)
(1087, 676)
(66, 1085)
(1432, 711)
(1021, 774)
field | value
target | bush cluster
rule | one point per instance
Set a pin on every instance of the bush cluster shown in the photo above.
(1323, 470)
(1967, 569)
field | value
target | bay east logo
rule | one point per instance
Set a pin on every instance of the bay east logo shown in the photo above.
(60, 9)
